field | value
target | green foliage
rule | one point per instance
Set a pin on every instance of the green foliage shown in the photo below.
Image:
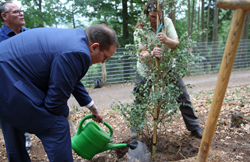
(111, 13)
(69, 14)
(52, 13)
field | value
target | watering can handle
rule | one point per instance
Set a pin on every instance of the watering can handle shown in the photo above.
(89, 117)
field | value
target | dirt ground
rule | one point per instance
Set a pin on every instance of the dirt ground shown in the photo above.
(229, 144)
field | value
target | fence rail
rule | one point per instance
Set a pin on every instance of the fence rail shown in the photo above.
(121, 69)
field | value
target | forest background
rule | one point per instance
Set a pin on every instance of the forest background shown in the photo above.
(122, 15)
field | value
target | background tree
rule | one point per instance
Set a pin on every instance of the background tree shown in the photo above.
(202, 20)
(172, 12)
(70, 11)
(40, 13)
(244, 42)
(188, 19)
(192, 17)
(198, 21)
(215, 39)
(208, 15)
(120, 15)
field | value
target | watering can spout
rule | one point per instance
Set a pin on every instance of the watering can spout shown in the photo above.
(112, 146)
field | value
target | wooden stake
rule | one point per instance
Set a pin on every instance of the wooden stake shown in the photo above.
(223, 78)
(155, 91)
(234, 4)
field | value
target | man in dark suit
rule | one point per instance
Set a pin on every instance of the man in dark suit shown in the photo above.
(40, 69)
(13, 21)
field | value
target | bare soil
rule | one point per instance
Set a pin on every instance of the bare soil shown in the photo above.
(174, 142)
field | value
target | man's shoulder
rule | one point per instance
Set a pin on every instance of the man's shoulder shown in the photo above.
(2, 30)
(3, 36)
(5, 29)
(24, 28)
(138, 30)
(167, 20)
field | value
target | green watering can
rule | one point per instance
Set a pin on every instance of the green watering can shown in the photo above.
(91, 139)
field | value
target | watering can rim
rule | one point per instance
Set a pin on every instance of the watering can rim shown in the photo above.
(89, 117)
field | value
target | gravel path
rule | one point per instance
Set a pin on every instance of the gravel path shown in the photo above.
(122, 92)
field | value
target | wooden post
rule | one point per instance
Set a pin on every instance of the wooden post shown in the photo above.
(155, 91)
(223, 78)
(104, 74)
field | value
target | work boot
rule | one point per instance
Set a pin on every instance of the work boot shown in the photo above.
(197, 133)
(133, 133)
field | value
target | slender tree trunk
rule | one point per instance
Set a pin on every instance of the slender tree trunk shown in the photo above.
(125, 33)
(214, 58)
(208, 15)
(192, 18)
(126, 67)
(172, 13)
(117, 20)
(73, 21)
(244, 42)
(73, 18)
(40, 5)
(202, 21)
(125, 19)
(189, 30)
(198, 21)
(205, 53)
(104, 71)
(40, 8)
(105, 20)
(131, 5)
(188, 17)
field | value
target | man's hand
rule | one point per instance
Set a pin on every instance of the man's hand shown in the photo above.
(163, 38)
(171, 43)
(95, 111)
(156, 52)
(98, 115)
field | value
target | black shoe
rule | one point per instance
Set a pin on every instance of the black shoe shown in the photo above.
(197, 133)
(133, 133)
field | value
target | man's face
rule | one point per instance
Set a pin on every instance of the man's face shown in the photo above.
(13, 17)
(153, 19)
(98, 54)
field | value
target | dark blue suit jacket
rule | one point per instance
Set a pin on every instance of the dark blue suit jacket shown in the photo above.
(39, 69)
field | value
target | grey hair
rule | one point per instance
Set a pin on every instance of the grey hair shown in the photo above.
(4, 8)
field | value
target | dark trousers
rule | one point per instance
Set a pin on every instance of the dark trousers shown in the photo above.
(56, 142)
(186, 108)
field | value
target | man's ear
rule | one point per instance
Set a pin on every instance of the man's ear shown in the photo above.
(94, 46)
(3, 15)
